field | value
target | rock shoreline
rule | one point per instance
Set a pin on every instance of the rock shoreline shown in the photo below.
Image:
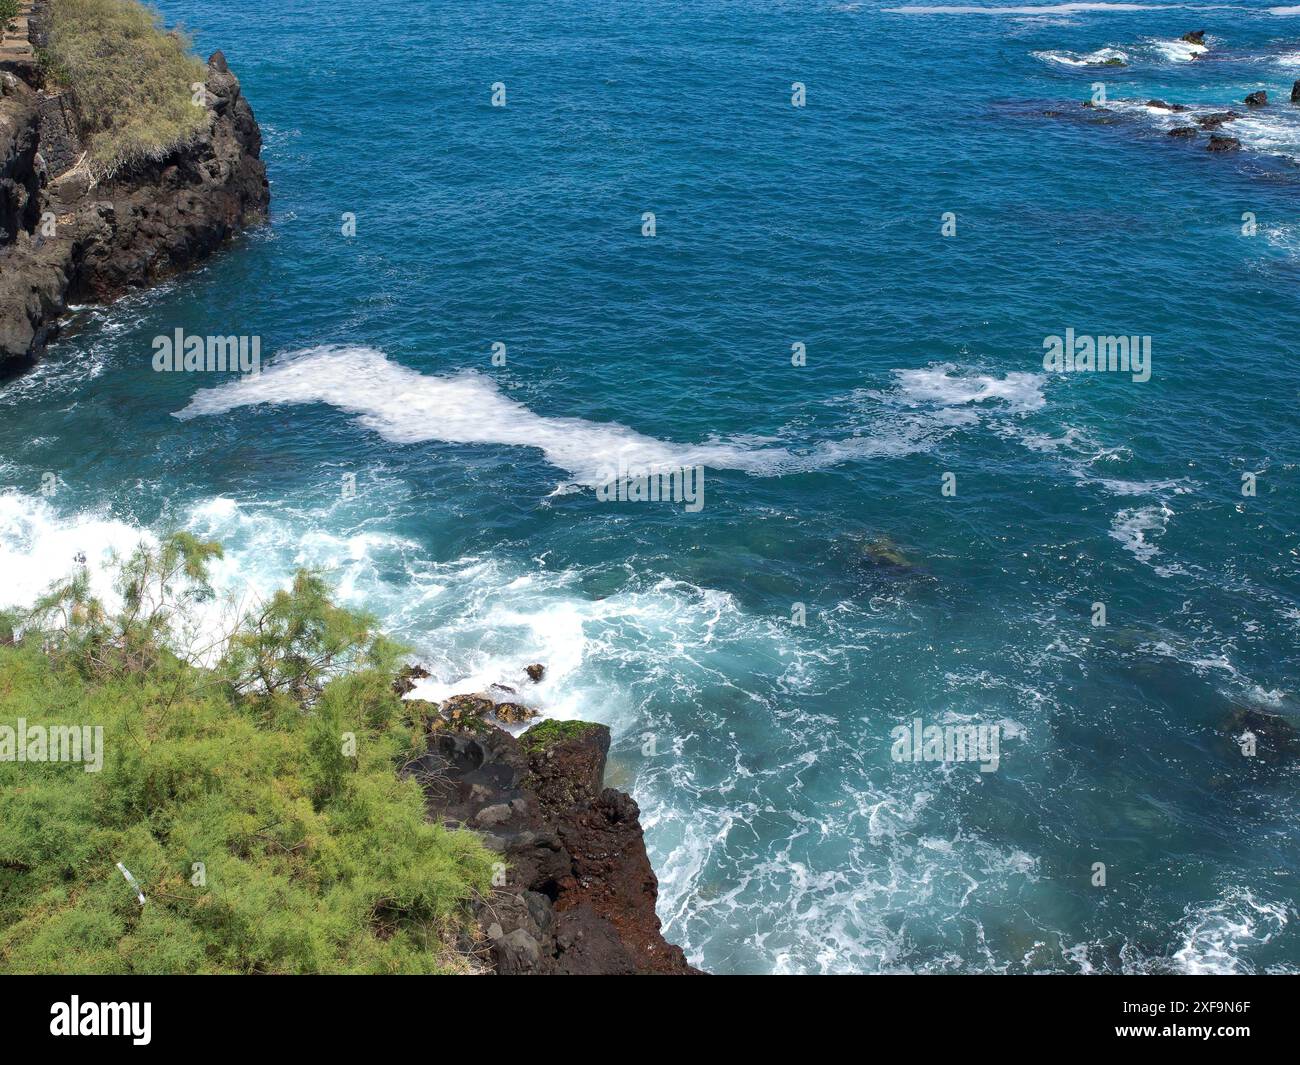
(67, 239)
(575, 894)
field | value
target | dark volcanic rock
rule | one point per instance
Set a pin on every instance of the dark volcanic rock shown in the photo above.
(407, 677)
(1295, 93)
(1184, 131)
(579, 894)
(67, 239)
(1257, 99)
(535, 672)
(1194, 37)
(1219, 143)
(1217, 119)
(1166, 107)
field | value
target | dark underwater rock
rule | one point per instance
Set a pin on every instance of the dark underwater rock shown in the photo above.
(1257, 99)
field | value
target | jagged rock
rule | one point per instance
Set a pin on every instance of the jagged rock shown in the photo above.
(1167, 107)
(1194, 37)
(579, 893)
(1184, 131)
(1257, 99)
(1219, 143)
(1217, 119)
(514, 713)
(142, 224)
(535, 672)
(407, 676)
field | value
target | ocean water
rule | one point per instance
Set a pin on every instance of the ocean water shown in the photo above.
(785, 836)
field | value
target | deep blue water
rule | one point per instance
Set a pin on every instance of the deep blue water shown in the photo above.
(784, 835)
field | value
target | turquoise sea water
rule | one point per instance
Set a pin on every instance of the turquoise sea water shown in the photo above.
(785, 837)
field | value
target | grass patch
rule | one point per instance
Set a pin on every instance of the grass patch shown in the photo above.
(255, 799)
(131, 80)
(549, 733)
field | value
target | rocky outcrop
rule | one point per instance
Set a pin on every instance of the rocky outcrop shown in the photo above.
(1257, 99)
(1219, 143)
(576, 894)
(1295, 93)
(66, 238)
(1217, 119)
(1194, 37)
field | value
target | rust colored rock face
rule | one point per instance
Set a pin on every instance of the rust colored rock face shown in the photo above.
(579, 895)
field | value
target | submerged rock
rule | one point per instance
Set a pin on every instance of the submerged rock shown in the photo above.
(1167, 107)
(882, 551)
(1220, 143)
(1271, 737)
(1257, 99)
(1194, 37)
(1184, 131)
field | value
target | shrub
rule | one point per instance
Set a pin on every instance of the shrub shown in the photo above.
(131, 80)
(268, 829)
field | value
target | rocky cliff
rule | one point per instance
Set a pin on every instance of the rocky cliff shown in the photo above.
(66, 238)
(576, 893)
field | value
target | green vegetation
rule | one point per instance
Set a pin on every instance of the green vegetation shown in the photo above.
(8, 11)
(551, 732)
(131, 80)
(255, 798)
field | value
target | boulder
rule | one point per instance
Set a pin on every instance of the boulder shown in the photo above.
(1257, 99)
(1216, 120)
(1166, 107)
(1219, 143)
(535, 672)
(1184, 131)
(514, 713)
(1194, 37)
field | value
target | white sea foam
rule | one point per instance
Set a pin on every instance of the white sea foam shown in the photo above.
(407, 407)
(944, 387)
(1219, 934)
(1132, 528)
(1025, 9)
(1178, 51)
(1089, 59)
